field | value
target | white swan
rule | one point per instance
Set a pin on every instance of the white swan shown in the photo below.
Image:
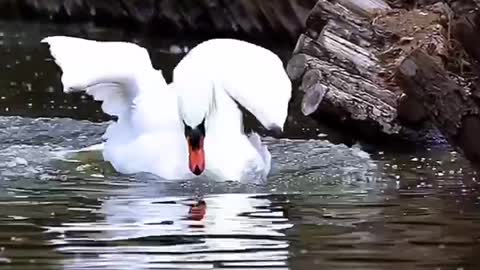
(192, 126)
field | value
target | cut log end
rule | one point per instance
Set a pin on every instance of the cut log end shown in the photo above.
(296, 66)
(312, 98)
(408, 68)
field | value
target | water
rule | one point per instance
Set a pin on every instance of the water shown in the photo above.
(325, 206)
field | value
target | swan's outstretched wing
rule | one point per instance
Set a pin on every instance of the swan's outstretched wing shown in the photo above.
(252, 75)
(120, 74)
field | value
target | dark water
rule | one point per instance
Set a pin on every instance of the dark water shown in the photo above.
(325, 206)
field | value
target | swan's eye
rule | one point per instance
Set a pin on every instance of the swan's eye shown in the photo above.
(201, 127)
(188, 129)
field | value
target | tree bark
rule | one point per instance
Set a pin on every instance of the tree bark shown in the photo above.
(450, 105)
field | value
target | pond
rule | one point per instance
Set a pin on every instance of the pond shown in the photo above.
(325, 206)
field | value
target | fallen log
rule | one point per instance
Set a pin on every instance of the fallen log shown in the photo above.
(351, 48)
(450, 105)
(398, 68)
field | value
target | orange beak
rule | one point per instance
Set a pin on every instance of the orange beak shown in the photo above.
(196, 157)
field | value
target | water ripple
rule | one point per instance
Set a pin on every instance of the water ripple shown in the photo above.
(325, 205)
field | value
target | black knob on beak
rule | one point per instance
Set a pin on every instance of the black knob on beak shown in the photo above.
(274, 131)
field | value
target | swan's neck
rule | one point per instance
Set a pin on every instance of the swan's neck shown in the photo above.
(225, 118)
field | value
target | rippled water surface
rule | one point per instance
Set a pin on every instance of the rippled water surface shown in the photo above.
(326, 206)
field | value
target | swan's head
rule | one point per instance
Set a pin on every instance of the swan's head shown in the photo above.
(194, 107)
(196, 153)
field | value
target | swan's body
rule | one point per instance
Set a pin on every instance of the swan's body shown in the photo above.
(153, 117)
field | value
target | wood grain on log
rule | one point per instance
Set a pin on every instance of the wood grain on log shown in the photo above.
(367, 8)
(340, 45)
(352, 26)
(345, 81)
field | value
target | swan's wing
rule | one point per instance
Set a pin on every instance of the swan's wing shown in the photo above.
(260, 84)
(252, 75)
(112, 72)
(121, 75)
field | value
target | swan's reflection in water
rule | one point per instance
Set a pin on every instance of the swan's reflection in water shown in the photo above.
(144, 233)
